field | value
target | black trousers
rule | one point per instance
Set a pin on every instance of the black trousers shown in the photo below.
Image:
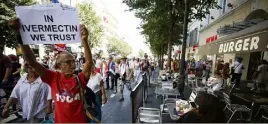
(237, 79)
(110, 74)
(117, 76)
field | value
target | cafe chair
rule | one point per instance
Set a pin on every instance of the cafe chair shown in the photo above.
(163, 107)
(264, 119)
(192, 96)
(149, 115)
(191, 81)
(234, 108)
(262, 107)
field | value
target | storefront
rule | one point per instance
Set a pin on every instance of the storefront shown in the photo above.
(251, 44)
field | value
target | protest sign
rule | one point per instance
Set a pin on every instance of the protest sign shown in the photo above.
(48, 24)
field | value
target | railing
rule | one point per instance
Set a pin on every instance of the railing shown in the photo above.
(139, 95)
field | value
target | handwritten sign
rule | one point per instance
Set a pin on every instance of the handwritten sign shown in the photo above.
(49, 24)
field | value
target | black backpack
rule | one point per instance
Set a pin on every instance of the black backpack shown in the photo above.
(91, 107)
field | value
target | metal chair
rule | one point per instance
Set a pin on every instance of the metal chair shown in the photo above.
(163, 107)
(192, 96)
(234, 108)
(149, 115)
(264, 119)
(262, 107)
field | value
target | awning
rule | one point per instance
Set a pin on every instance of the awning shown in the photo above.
(254, 38)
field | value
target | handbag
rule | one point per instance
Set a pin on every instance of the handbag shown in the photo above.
(89, 101)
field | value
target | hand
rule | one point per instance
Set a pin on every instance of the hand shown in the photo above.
(5, 112)
(14, 25)
(84, 32)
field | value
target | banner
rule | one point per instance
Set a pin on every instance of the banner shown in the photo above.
(51, 23)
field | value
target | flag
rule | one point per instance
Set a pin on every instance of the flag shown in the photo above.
(55, 1)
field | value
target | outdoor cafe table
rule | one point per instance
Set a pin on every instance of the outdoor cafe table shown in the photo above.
(166, 92)
(254, 99)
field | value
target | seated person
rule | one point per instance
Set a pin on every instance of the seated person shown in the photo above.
(209, 111)
(217, 84)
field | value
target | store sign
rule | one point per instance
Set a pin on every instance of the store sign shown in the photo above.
(211, 39)
(248, 43)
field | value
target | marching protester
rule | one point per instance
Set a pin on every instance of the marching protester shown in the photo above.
(5, 68)
(98, 64)
(16, 68)
(117, 74)
(110, 73)
(64, 84)
(136, 69)
(124, 76)
(34, 96)
(262, 76)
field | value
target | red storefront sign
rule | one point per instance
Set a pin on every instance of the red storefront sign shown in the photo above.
(211, 39)
(194, 47)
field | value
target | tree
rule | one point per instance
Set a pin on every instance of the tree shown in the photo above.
(118, 47)
(7, 11)
(89, 18)
(162, 20)
(141, 53)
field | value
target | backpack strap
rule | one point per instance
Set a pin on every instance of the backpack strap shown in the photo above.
(81, 92)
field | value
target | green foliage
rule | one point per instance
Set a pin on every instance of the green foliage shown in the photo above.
(7, 11)
(89, 18)
(118, 47)
(162, 20)
(141, 53)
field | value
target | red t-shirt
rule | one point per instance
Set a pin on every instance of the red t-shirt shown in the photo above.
(67, 100)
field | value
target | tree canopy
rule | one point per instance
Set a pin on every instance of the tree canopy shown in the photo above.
(89, 18)
(118, 47)
(7, 11)
(141, 53)
(162, 20)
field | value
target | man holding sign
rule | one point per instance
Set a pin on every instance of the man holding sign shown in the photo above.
(65, 91)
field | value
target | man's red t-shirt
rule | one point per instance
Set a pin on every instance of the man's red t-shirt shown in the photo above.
(66, 96)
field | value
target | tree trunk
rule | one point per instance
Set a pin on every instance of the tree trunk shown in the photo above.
(182, 63)
(161, 57)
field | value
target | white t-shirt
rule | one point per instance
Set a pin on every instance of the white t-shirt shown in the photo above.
(238, 67)
(94, 82)
(219, 84)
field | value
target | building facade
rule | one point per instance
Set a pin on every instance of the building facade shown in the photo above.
(239, 29)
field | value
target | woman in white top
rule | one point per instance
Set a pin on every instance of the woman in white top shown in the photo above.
(219, 83)
(136, 70)
(34, 96)
(117, 73)
(96, 84)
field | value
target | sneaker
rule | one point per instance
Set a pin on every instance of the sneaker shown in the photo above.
(122, 99)
(115, 91)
